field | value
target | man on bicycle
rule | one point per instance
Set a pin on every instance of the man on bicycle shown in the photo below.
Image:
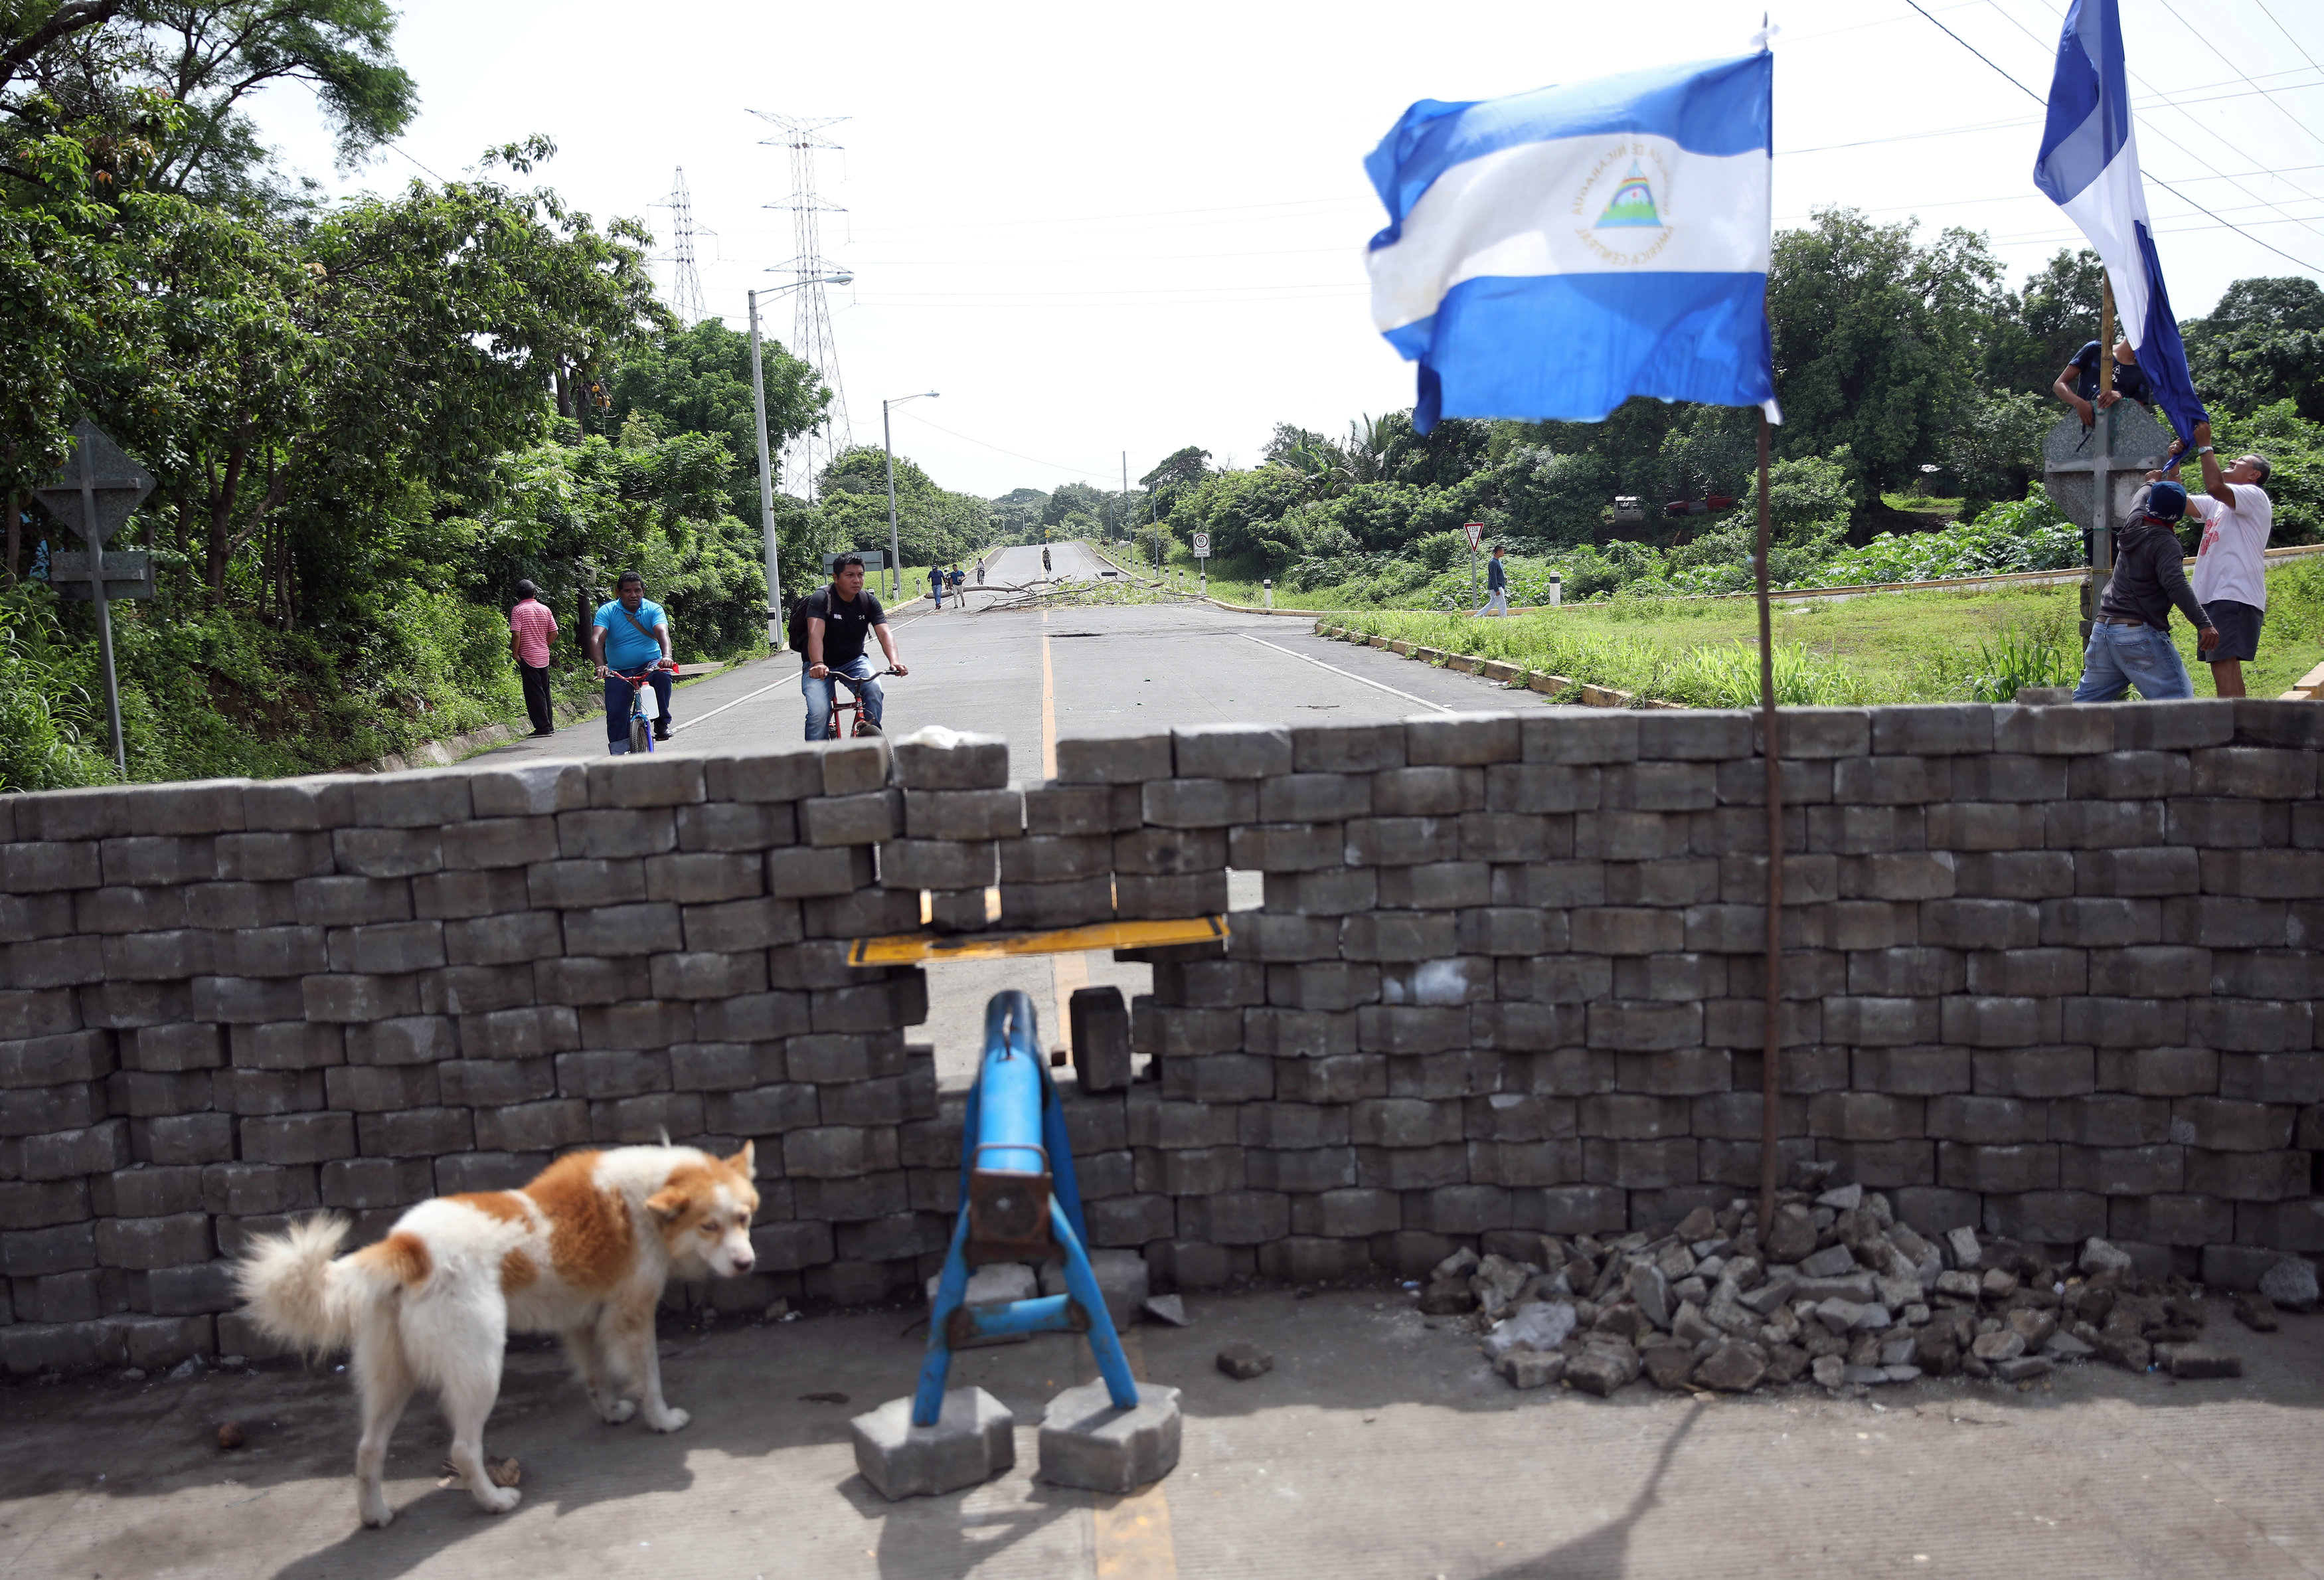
(630, 633)
(840, 618)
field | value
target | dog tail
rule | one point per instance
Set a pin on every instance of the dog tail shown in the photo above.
(299, 1295)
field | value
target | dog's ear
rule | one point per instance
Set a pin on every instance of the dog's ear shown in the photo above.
(666, 1203)
(746, 1161)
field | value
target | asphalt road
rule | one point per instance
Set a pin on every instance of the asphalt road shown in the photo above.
(1378, 1448)
(1032, 674)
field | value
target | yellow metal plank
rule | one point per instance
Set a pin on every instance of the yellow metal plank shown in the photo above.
(906, 949)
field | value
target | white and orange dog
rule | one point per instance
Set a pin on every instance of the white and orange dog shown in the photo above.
(584, 1251)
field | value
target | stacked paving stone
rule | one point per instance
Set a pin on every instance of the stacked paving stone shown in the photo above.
(2050, 972)
(1839, 1291)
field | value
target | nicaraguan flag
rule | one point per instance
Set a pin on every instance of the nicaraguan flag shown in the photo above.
(2088, 166)
(1554, 253)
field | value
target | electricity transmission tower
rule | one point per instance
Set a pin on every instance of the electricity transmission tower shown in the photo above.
(686, 284)
(806, 456)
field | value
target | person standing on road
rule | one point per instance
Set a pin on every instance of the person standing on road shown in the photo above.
(959, 580)
(936, 586)
(1496, 585)
(532, 626)
(2231, 566)
(2130, 640)
(840, 619)
(1044, 560)
(631, 633)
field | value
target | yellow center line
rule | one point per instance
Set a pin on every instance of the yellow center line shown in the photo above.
(1048, 706)
(1130, 1532)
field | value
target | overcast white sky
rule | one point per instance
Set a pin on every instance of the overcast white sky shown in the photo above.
(1097, 228)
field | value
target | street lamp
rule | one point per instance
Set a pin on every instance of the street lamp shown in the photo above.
(895, 545)
(766, 465)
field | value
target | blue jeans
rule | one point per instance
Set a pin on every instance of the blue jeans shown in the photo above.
(2122, 656)
(617, 709)
(819, 695)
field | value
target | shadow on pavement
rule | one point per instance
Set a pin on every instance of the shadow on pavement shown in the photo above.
(1604, 1553)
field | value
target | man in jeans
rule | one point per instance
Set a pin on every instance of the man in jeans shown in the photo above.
(630, 633)
(840, 619)
(2231, 566)
(2130, 640)
(531, 628)
(1496, 585)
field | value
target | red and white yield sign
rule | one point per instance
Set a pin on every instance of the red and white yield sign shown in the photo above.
(1476, 531)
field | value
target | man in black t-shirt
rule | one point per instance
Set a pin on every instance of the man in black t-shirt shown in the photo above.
(840, 619)
(2077, 381)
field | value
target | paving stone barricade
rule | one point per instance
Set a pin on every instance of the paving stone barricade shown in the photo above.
(2049, 970)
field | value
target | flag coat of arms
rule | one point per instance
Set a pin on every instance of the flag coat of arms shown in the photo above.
(1552, 254)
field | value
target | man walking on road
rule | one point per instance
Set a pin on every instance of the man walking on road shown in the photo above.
(840, 619)
(531, 628)
(631, 633)
(935, 585)
(1496, 585)
(2231, 566)
(2130, 640)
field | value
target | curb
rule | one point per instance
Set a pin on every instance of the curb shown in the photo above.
(1510, 676)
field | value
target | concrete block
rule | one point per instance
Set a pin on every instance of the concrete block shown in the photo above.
(1199, 803)
(1086, 1442)
(736, 826)
(1464, 738)
(966, 814)
(705, 876)
(530, 789)
(938, 759)
(1130, 757)
(1347, 748)
(873, 818)
(613, 931)
(533, 1127)
(742, 924)
(651, 781)
(972, 1441)
(1059, 904)
(1064, 809)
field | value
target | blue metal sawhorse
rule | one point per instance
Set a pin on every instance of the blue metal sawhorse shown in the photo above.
(1018, 1203)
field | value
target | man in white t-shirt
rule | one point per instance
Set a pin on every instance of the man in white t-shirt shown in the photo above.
(2231, 578)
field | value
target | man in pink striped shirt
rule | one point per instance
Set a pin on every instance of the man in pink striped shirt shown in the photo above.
(531, 628)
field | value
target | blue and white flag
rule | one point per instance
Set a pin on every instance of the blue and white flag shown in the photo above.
(2088, 166)
(1554, 253)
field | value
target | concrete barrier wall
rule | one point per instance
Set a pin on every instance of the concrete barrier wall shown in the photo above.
(2050, 971)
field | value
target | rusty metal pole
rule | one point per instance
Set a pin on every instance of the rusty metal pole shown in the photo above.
(1770, 1078)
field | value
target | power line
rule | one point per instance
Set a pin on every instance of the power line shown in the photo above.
(2156, 95)
(1054, 466)
(2166, 186)
(2286, 32)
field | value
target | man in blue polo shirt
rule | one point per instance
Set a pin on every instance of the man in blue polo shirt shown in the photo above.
(630, 633)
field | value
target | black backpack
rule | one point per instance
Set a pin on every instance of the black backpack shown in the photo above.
(795, 633)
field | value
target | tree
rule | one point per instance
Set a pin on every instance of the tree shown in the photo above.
(1877, 340)
(2264, 343)
(93, 61)
(1178, 471)
(2038, 330)
(1995, 448)
(698, 380)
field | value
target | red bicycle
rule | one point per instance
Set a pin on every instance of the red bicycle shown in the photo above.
(852, 703)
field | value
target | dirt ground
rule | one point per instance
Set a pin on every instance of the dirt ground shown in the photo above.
(1380, 1445)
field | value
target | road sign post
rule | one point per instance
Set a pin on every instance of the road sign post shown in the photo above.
(1202, 561)
(1476, 531)
(93, 493)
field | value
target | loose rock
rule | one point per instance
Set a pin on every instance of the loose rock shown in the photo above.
(1531, 1368)
(2290, 1284)
(1245, 1361)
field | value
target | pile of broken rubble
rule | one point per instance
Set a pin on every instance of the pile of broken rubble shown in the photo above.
(1838, 1290)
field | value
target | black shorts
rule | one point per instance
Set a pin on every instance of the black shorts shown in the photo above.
(2238, 625)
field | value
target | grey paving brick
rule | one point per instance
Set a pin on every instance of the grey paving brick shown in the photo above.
(533, 1127)
(741, 924)
(2049, 1070)
(654, 781)
(2106, 1119)
(297, 1138)
(248, 1091)
(873, 818)
(1057, 904)
(1128, 757)
(413, 1133)
(175, 1138)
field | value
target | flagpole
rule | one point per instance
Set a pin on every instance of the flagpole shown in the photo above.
(1770, 1080)
(2101, 486)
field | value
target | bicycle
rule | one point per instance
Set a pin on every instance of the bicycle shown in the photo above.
(645, 707)
(853, 703)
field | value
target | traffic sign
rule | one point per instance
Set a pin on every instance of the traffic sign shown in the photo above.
(128, 574)
(1476, 531)
(96, 475)
(872, 559)
(1202, 545)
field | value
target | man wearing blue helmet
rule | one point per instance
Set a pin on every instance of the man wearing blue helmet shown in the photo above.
(2130, 640)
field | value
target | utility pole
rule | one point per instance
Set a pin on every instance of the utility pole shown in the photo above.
(811, 451)
(888, 443)
(766, 491)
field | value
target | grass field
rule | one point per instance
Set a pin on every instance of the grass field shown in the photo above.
(1897, 646)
